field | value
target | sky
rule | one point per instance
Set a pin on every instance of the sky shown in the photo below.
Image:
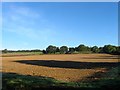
(33, 25)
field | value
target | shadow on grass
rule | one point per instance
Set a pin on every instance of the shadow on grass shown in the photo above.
(105, 80)
(13, 81)
(70, 64)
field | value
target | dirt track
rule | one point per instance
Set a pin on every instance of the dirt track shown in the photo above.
(71, 67)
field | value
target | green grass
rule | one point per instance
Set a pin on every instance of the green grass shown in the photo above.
(23, 82)
(21, 53)
(111, 79)
(11, 80)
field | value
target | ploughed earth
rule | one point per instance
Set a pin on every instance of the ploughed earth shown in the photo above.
(65, 67)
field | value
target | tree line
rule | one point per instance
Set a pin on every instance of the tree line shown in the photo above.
(109, 49)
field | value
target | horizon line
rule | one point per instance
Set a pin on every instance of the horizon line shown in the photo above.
(60, 46)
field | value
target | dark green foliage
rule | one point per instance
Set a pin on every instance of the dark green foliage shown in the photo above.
(117, 50)
(71, 50)
(57, 49)
(20, 51)
(63, 49)
(95, 49)
(109, 49)
(76, 48)
(44, 52)
(101, 50)
(51, 49)
(82, 48)
(36, 50)
(5, 51)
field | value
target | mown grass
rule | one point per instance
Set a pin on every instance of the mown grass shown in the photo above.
(10, 54)
(21, 54)
(13, 81)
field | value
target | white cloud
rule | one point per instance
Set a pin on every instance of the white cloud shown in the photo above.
(26, 32)
(24, 22)
(25, 11)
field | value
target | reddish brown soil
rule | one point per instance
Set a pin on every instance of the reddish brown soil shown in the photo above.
(69, 67)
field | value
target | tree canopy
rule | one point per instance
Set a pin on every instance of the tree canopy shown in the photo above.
(109, 49)
(63, 49)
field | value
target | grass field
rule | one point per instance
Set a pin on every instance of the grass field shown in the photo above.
(20, 54)
(73, 70)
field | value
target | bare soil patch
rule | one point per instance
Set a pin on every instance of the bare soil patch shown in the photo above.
(68, 67)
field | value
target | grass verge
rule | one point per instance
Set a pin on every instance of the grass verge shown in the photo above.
(12, 81)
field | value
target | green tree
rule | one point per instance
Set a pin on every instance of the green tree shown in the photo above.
(95, 49)
(71, 50)
(83, 48)
(44, 52)
(109, 49)
(5, 51)
(76, 48)
(57, 49)
(63, 49)
(51, 49)
(117, 52)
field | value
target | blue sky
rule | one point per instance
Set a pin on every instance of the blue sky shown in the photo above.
(37, 25)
